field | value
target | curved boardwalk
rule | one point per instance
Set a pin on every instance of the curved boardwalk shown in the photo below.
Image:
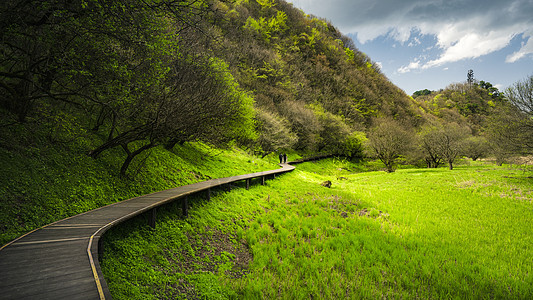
(60, 260)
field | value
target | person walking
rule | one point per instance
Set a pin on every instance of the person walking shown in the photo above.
(280, 158)
(284, 157)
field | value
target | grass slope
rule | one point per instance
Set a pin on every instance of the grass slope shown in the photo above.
(416, 233)
(43, 180)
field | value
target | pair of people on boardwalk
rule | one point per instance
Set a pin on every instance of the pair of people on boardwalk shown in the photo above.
(282, 158)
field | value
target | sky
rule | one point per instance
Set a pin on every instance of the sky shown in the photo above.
(429, 44)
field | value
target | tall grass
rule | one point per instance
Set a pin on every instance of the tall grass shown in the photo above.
(415, 233)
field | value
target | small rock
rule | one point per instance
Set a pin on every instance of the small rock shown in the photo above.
(342, 178)
(326, 184)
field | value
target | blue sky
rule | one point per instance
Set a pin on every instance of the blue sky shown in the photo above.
(428, 44)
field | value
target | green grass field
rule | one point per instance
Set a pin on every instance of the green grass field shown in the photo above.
(415, 233)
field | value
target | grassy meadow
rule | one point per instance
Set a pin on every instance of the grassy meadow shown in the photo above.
(415, 233)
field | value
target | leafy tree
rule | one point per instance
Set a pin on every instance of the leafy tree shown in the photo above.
(304, 123)
(274, 133)
(492, 90)
(334, 131)
(423, 92)
(197, 101)
(475, 147)
(470, 77)
(429, 139)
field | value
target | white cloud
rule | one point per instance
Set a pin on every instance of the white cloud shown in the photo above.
(464, 29)
(412, 66)
(525, 50)
(414, 42)
(471, 45)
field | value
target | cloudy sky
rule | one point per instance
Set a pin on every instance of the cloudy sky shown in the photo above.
(431, 43)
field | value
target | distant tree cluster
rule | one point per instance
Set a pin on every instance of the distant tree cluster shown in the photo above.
(471, 119)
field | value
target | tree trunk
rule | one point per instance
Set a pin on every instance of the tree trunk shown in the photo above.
(451, 165)
(131, 156)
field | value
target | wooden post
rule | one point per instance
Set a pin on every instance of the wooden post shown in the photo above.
(184, 207)
(152, 217)
(100, 248)
(247, 184)
(262, 180)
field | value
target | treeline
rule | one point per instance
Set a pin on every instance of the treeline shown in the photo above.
(470, 119)
(136, 74)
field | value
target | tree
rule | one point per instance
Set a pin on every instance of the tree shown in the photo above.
(449, 142)
(421, 93)
(510, 128)
(388, 141)
(334, 131)
(198, 100)
(304, 123)
(429, 138)
(475, 147)
(493, 91)
(521, 96)
(274, 133)
(470, 77)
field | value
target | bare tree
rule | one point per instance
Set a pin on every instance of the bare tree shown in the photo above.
(389, 141)
(510, 128)
(521, 95)
(428, 143)
(449, 142)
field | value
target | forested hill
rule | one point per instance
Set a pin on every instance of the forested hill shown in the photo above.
(142, 74)
(302, 69)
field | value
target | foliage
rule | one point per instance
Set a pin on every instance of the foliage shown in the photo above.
(275, 133)
(132, 69)
(421, 93)
(475, 147)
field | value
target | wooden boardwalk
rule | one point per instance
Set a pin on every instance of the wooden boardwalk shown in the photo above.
(60, 260)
